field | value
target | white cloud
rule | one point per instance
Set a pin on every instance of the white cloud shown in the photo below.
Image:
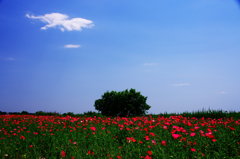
(150, 64)
(222, 92)
(62, 21)
(8, 59)
(181, 84)
(72, 46)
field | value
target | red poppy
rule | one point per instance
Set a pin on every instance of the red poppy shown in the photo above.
(93, 128)
(22, 137)
(193, 149)
(175, 136)
(149, 153)
(63, 153)
(147, 157)
(192, 134)
(90, 152)
(147, 138)
(164, 143)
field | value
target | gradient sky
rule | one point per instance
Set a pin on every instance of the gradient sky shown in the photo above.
(62, 55)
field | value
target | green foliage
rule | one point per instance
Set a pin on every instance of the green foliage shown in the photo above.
(47, 113)
(3, 113)
(214, 114)
(125, 103)
(24, 113)
(68, 114)
(92, 114)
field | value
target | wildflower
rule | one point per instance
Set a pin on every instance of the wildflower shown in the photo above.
(209, 135)
(196, 127)
(175, 136)
(147, 138)
(183, 139)
(164, 143)
(193, 149)
(214, 140)
(93, 128)
(22, 137)
(149, 153)
(90, 152)
(63, 153)
(231, 128)
(130, 139)
(128, 129)
(147, 157)
(165, 127)
(154, 142)
(152, 134)
(192, 134)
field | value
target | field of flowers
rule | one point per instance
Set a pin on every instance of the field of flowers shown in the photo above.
(50, 137)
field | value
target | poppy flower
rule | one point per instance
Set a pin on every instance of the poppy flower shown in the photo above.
(93, 128)
(149, 153)
(22, 137)
(164, 143)
(175, 136)
(63, 153)
(147, 138)
(147, 157)
(193, 149)
(192, 134)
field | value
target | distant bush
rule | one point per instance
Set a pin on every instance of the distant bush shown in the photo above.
(217, 114)
(12, 113)
(47, 113)
(92, 114)
(214, 114)
(68, 114)
(125, 103)
(3, 113)
(24, 113)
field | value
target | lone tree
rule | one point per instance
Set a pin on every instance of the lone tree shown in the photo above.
(125, 103)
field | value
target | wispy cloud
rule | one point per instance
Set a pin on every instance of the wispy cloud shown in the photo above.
(72, 46)
(62, 21)
(183, 84)
(7, 59)
(222, 92)
(150, 64)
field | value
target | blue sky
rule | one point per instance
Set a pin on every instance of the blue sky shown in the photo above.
(61, 56)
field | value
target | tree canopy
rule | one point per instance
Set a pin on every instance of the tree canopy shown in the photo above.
(124, 103)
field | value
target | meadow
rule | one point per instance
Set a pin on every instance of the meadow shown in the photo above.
(148, 137)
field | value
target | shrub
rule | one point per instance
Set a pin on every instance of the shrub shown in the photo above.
(125, 103)
(3, 113)
(47, 113)
(69, 114)
(24, 113)
(92, 114)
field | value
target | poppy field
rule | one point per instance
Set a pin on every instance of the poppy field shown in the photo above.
(146, 137)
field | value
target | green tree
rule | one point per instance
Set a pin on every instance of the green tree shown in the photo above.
(125, 103)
